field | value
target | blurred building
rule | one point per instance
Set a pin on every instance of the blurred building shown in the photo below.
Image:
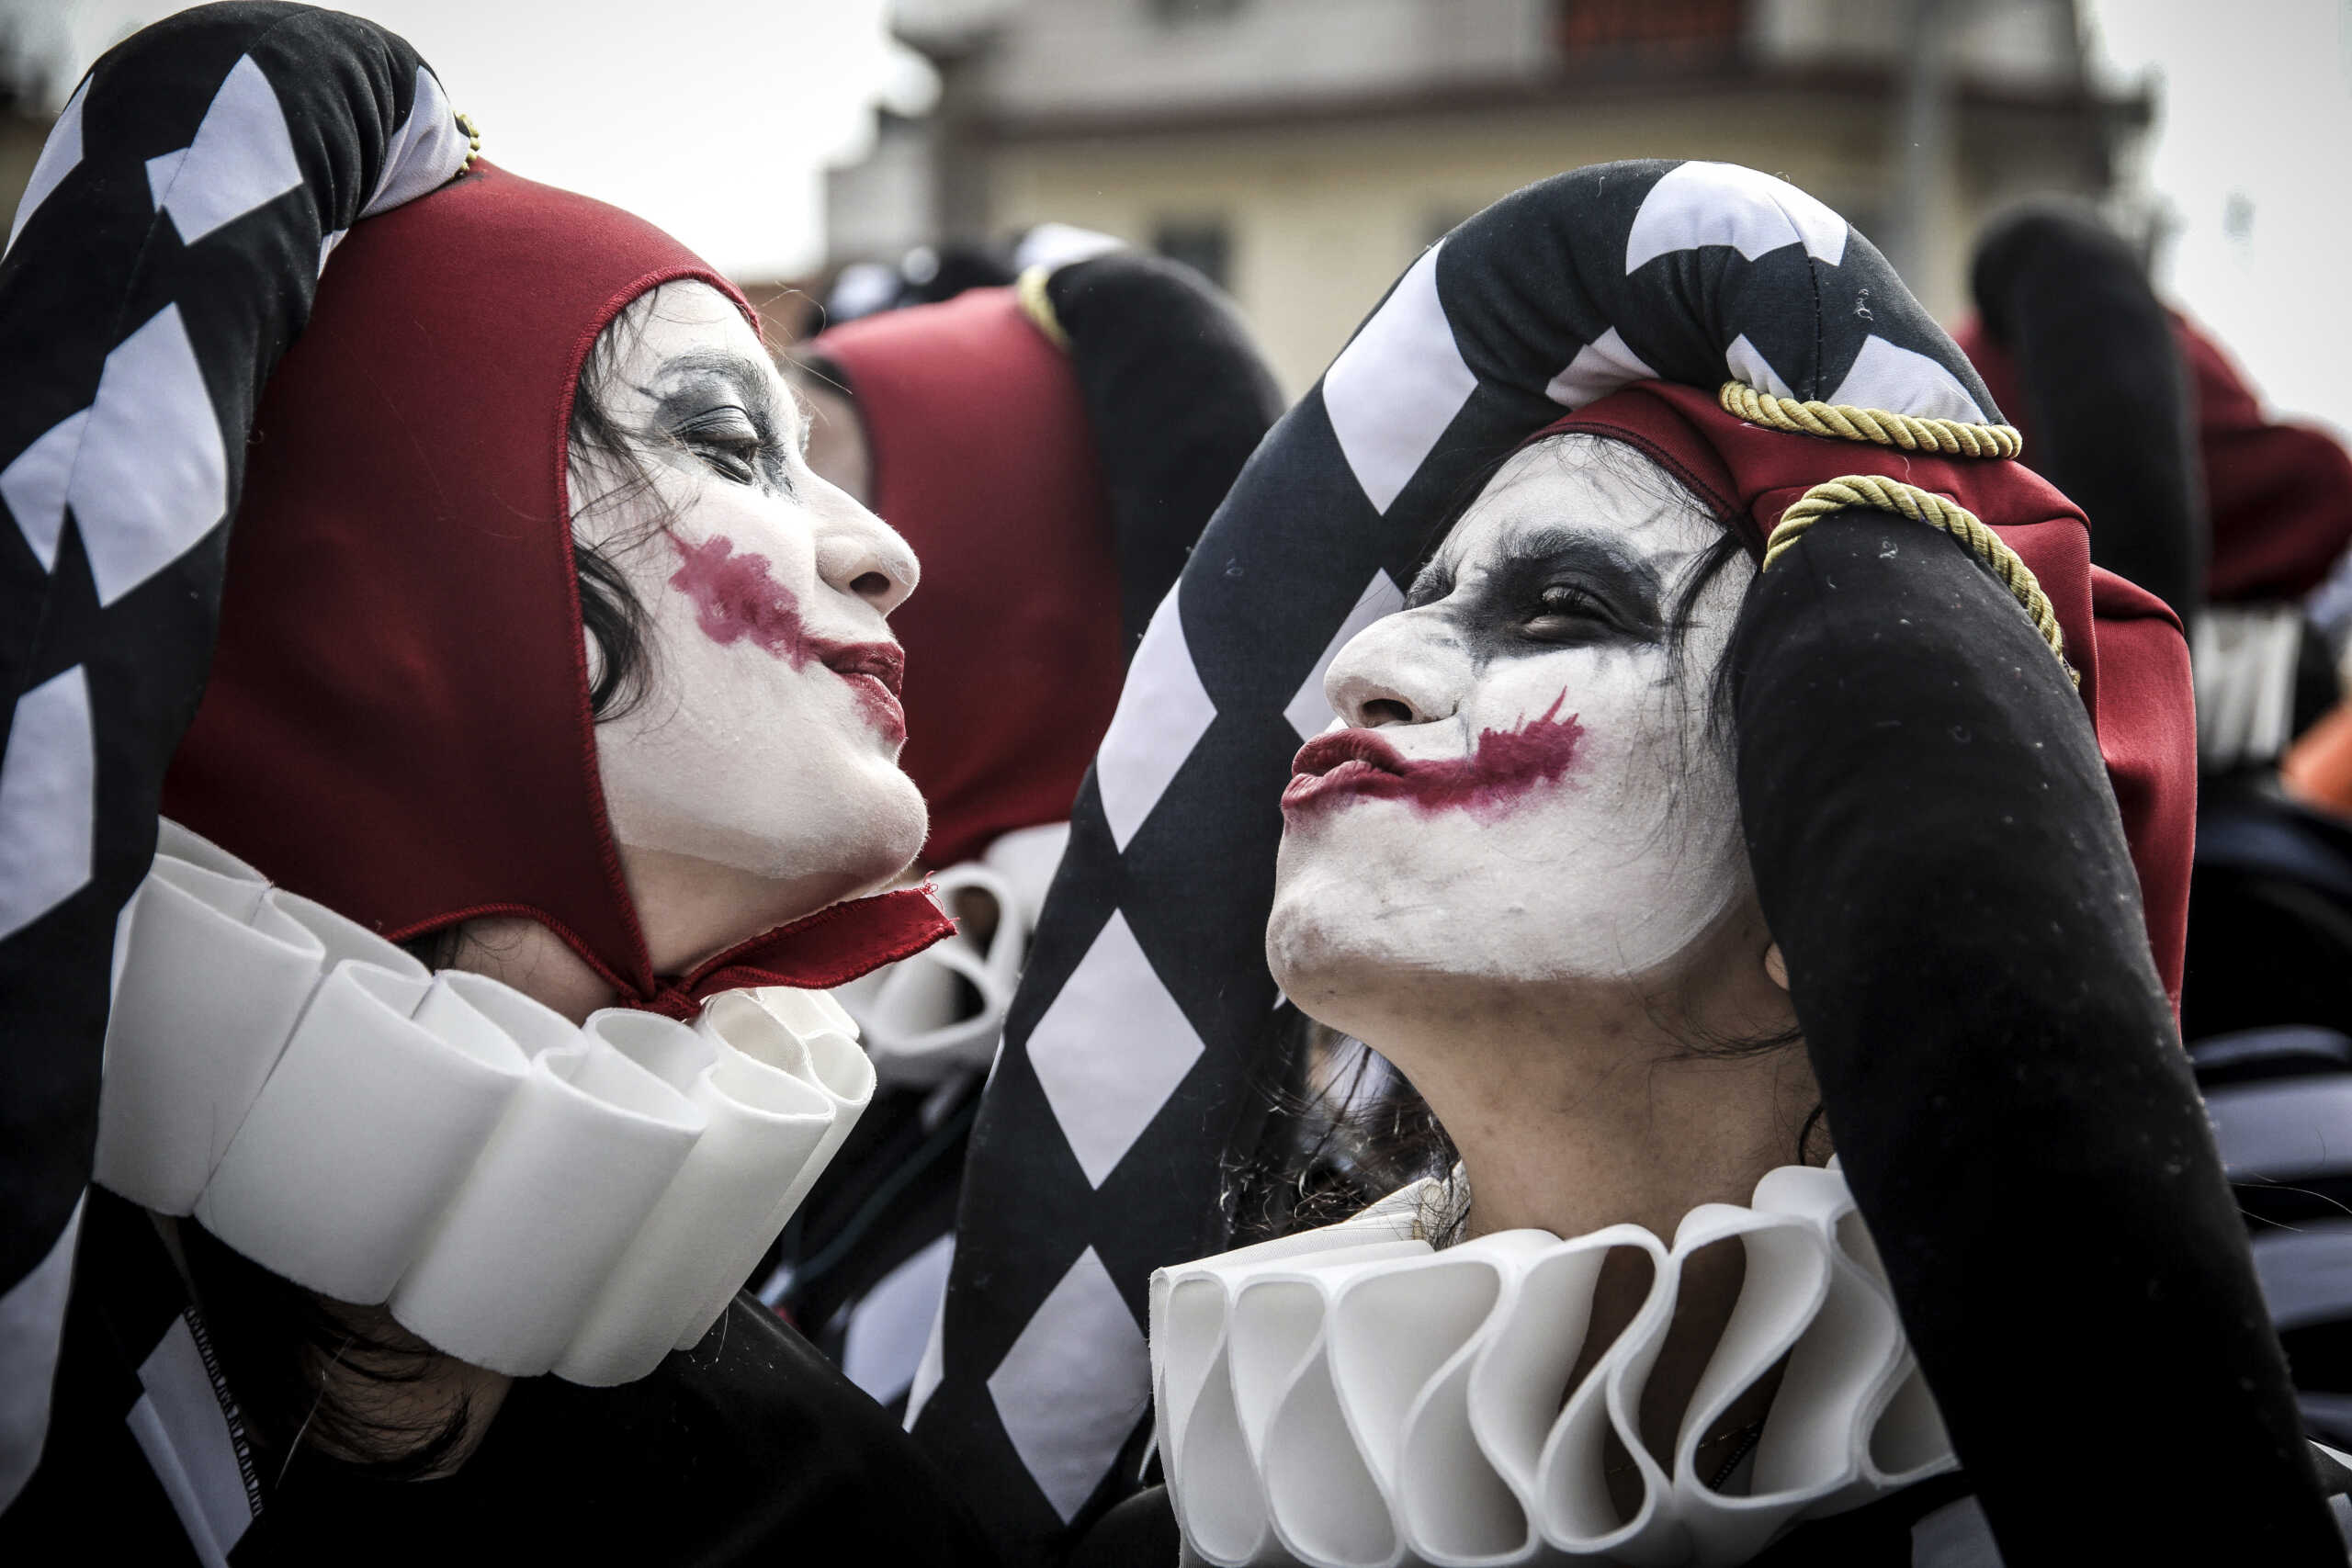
(1301, 152)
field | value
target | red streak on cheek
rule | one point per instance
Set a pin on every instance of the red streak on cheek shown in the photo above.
(737, 597)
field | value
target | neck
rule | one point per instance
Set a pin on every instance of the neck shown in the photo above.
(521, 953)
(1571, 1117)
(1579, 1107)
(692, 910)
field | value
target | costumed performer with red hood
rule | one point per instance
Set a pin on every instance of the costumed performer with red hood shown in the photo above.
(1052, 452)
(466, 1042)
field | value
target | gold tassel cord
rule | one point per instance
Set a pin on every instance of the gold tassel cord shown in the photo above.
(1843, 422)
(1038, 305)
(1870, 492)
(473, 143)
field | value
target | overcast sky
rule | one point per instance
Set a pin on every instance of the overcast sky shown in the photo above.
(2254, 103)
(711, 118)
(714, 118)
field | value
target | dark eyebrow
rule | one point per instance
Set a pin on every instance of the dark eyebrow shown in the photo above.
(1548, 546)
(1605, 555)
(750, 379)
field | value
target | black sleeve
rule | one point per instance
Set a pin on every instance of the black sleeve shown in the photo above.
(1177, 398)
(2106, 397)
(1939, 856)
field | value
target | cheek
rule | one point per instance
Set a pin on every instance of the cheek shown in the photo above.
(737, 596)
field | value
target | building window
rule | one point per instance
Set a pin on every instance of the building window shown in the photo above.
(1204, 244)
(1176, 12)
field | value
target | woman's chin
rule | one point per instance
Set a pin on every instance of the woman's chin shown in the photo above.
(873, 834)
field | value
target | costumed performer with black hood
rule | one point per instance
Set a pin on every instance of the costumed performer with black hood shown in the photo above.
(466, 1041)
(1663, 875)
(1051, 451)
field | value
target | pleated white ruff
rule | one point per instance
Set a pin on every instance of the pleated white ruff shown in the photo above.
(525, 1193)
(1352, 1397)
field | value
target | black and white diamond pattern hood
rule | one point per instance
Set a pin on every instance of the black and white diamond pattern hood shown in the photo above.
(161, 260)
(1127, 1070)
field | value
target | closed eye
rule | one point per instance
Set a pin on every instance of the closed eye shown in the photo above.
(727, 440)
(1565, 611)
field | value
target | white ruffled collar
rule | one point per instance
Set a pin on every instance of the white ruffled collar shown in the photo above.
(1352, 1397)
(938, 1015)
(525, 1193)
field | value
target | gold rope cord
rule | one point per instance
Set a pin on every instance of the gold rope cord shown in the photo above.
(473, 143)
(1870, 492)
(1038, 305)
(1842, 422)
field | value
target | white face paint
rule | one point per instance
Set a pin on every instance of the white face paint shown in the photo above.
(1524, 784)
(768, 737)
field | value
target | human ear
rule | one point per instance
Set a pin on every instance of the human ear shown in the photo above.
(1775, 968)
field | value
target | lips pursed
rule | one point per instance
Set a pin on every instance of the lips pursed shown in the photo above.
(1501, 769)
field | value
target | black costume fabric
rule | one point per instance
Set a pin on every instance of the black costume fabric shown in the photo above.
(165, 256)
(2107, 397)
(1176, 398)
(2005, 1040)
(748, 1448)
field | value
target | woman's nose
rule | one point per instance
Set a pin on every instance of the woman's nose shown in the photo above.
(1407, 668)
(859, 554)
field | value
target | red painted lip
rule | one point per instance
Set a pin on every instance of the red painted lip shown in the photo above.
(1347, 762)
(886, 661)
(1325, 752)
(877, 672)
(1505, 767)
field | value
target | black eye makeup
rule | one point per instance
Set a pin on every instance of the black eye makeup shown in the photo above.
(721, 409)
(1548, 588)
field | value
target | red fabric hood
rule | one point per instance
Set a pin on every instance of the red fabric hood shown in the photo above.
(2127, 645)
(983, 461)
(397, 722)
(2278, 495)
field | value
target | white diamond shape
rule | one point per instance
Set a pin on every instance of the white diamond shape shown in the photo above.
(1310, 711)
(889, 1328)
(1599, 368)
(1163, 709)
(47, 782)
(148, 476)
(1746, 361)
(933, 1367)
(34, 486)
(1111, 1049)
(1885, 376)
(182, 1430)
(426, 150)
(1392, 391)
(32, 1327)
(59, 156)
(241, 157)
(1723, 204)
(162, 170)
(1074, 1385)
